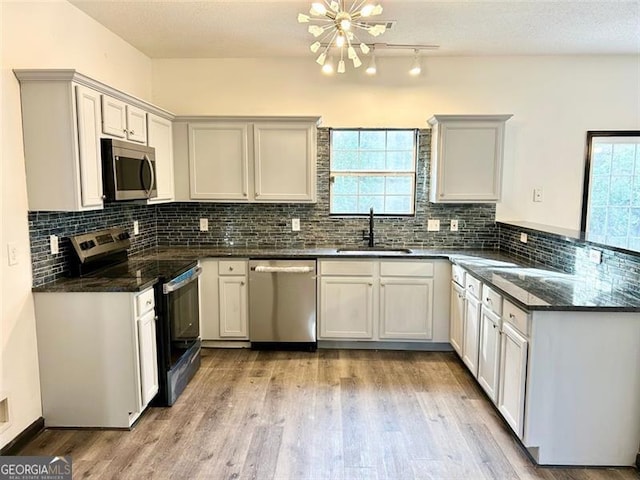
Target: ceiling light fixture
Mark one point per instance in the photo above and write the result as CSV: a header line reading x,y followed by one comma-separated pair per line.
x,y
372,68
334,26
415,66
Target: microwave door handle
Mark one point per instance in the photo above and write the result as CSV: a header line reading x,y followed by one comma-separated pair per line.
x,y
153,176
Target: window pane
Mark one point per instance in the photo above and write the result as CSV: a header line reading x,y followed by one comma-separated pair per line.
x,y
371,185
399,185
398,204
344,204
601,159
400,161
635,195
634,222
344,139
623,159
598,221
372,140
344,160
620,191
400,140
367,201
372,160
600,191
344,184
618,222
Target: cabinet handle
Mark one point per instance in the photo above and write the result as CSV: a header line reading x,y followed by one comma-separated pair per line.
x,y
149,302
488,300
241,283
231,269
124,130
470,287
104,197
370,284
460,296
512,316
132,132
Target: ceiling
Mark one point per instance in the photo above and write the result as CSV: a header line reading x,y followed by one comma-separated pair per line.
x,y
266,28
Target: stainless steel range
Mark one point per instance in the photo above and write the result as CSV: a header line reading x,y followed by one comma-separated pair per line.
x,y
104,254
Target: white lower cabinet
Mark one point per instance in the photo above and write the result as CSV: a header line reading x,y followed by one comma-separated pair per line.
x,y
457,308
513,370
406,308
471,333
97,356
489,353
223,300
346,308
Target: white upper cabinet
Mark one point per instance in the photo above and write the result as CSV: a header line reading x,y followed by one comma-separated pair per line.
x,y
218,161
284,162
235,159
123,121
64,116
466,158
160,136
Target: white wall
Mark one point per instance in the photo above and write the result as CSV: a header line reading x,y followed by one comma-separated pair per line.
x,y
51,34
555,100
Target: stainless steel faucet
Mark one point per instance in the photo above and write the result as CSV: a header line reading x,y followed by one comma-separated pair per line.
x,y
370,237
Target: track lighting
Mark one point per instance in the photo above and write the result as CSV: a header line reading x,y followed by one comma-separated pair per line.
x,y
415,66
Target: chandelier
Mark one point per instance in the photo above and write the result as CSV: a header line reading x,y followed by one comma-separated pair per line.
x,y
334,25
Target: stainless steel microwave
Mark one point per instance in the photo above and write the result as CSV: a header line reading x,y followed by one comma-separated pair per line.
x,y
128,170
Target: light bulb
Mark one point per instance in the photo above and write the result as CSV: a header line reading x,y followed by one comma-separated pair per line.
x,y
364,48
327,68
321,58
341,68
315,46
340,40
366,10
415,66
318,8
345,23
302,18
372,69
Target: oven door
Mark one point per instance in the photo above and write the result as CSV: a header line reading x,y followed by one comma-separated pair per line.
x,y
182,310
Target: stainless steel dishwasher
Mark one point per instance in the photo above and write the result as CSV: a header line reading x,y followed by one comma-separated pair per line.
x,y
282,304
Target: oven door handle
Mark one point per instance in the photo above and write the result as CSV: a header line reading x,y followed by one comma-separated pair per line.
x,y
174,285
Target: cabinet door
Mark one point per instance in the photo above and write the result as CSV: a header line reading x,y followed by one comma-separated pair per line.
x,y
406,308
513,370
346,307
218,161
489,353
88,111
148,357
233,307
136,125
471,330
285,162
209,300
114,117
161,138
456,326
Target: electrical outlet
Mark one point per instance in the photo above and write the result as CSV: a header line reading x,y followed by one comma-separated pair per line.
x,y
204,224
537,194
524,238
53,243
454,225
12,253
136,227
295,224
433,225
595,256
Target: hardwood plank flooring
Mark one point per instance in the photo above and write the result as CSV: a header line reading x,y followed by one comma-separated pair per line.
x,y
332,414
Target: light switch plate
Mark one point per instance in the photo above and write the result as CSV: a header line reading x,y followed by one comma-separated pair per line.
x,y
433,225
524,238
12,253
454,225
204,224
53,244
295,224
595,256
136,227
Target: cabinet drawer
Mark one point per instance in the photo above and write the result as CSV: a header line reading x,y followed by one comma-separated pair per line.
x,y
457,274
491,299
406,269
347,268
232,267
516,317
145,301
472,285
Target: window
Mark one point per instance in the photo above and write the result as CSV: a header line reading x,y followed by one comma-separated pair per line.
x,y
611,207
373,168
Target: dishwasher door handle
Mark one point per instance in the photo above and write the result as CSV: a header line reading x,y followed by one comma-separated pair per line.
x,y
269,269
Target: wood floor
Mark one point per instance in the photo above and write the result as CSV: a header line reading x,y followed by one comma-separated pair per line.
x,y
344,414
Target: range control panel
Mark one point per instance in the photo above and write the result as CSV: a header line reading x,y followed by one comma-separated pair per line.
x,y
94,245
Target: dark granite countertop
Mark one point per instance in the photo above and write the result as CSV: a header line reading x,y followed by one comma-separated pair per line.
x,y
528,285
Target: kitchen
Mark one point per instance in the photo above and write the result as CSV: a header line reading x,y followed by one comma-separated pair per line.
x,y
554,100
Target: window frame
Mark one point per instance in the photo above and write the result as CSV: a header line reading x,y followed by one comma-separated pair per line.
x,y
413,174
586,190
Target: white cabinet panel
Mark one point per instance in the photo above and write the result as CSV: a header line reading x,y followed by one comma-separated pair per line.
x,y
471,332
489,353
114,117
88,111
136,125
467,152
160,137
233,307
148,357
513,369
457,317
218,161
406,308
346,307
284,162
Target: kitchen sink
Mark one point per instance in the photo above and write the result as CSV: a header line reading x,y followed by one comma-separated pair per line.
x,y
375,251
